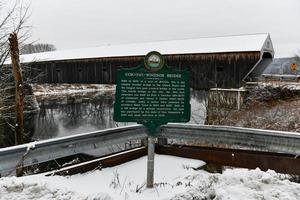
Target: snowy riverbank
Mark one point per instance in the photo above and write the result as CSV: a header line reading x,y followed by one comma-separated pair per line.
x,y
63,89
175,178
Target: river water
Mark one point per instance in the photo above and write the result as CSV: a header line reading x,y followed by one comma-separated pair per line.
x,y
64,115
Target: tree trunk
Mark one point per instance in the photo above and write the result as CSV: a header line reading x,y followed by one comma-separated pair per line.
x,y
19,96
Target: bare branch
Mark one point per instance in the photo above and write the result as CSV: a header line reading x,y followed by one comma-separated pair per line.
x,y
15,20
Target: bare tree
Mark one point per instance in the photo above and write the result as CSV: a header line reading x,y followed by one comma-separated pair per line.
x,y
13,19
37,48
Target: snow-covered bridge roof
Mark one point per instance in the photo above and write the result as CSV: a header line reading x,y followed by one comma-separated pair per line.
x,y
236,43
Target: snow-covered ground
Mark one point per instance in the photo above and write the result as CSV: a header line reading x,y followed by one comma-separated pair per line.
x,y
175,179
281,84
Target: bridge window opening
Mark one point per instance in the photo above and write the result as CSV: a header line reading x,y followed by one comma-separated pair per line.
x,y
59,75
220,68
267,55
80,74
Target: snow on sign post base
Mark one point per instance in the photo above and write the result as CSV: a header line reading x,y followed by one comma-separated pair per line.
x,y
152,94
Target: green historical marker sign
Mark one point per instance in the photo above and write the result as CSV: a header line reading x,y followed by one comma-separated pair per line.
x,y
152,94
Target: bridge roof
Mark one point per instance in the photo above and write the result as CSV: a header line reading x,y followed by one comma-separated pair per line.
x,y
221,44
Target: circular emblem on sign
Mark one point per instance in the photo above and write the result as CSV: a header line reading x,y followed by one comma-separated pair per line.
x,y
154,61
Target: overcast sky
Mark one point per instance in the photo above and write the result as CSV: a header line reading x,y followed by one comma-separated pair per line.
x,y
85,23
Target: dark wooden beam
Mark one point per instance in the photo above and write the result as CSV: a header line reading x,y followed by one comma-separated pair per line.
x,y
107,161
281,163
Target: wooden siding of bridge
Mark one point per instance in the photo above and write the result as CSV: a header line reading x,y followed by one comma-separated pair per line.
x,y
224,70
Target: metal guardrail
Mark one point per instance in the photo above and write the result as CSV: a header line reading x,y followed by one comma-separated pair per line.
x,y
42,151
208,136
234,138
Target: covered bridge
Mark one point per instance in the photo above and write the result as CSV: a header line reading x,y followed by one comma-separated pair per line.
x,y
224,62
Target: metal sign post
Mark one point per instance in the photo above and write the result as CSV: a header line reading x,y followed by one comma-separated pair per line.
x,y
150,162
152,94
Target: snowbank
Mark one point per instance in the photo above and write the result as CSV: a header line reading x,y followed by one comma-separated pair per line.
x,y
175,179
241,184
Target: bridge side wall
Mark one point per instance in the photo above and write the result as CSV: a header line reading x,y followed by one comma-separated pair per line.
x,y
224,70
